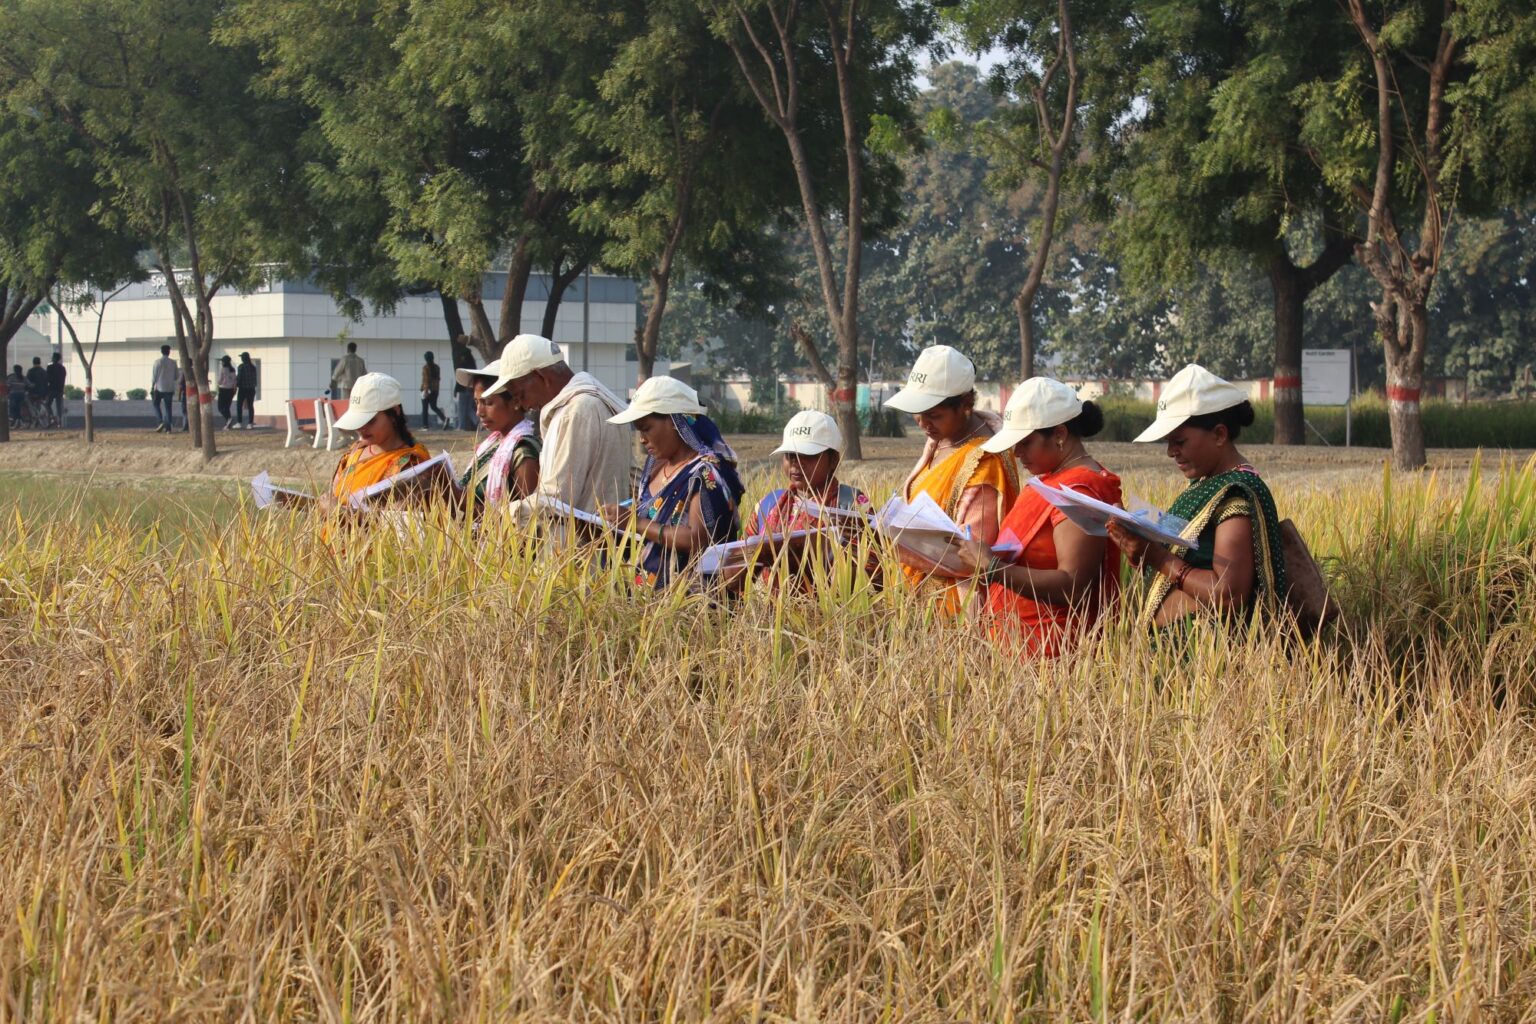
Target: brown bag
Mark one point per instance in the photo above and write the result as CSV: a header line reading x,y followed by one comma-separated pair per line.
x,y
1306,593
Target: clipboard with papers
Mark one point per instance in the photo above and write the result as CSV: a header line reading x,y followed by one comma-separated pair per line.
x,y
738,553
1091,515
408,480
266,494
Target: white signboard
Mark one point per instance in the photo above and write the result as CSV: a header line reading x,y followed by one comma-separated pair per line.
x,y
1325,376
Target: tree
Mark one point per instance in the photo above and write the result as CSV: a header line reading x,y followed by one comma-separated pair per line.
x,y
48,234
782,49
681,169
187,159
1209,161
90,299
1434,140
1484,305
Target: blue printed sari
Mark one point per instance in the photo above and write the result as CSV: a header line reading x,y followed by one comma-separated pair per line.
x,y
711,477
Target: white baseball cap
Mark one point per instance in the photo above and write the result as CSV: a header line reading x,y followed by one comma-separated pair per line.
x,y
810,433
1040,403
939,373
664,396
466,376
1193,391
372,394
521,356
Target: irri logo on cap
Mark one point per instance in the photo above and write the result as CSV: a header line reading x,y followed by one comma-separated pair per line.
x,y
917,378
801,431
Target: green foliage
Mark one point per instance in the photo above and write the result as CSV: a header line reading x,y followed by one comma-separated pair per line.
x,y
105,394
136,394
73,393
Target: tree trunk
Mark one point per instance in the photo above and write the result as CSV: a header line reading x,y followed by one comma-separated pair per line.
x,y
1290,307
1025,310
650,332
559,283
90,405
845,407
452,321
511,319
1405,379
5,391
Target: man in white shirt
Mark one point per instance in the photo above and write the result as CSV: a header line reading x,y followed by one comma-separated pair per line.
x,y
585,460
162,388
347,371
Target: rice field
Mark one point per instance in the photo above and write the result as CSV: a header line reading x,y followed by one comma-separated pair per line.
x,y
247,775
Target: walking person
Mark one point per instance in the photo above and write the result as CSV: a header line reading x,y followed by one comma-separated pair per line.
x,y
226,385
181,400
431,385
57,375
464,396
247,379
162,389
16,393
346,373
37,391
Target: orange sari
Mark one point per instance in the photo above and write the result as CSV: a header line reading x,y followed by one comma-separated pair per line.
x,y
948,482
355,472
1039,626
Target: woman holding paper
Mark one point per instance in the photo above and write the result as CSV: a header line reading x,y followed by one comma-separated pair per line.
x,y
384,445
1237,561
689,493
1057,578
973,486
506,463
812,450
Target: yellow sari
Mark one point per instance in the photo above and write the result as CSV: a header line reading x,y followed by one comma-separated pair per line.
x,y
946,482
356,472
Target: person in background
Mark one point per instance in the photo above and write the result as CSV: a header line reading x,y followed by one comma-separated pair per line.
x,y
16,393
247,380
1062,579
225,381
689,495
463,397
384,444
974,487
181,399
506,463
37,384
431,386
812,451
57,376
1238,560
586,459
348,370
162,389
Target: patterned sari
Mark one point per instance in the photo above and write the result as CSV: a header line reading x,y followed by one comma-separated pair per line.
x,y
489,480
946,482
1207,504
1040,627
711,477
356,472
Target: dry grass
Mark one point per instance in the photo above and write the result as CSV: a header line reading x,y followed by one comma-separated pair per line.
x,y
243,777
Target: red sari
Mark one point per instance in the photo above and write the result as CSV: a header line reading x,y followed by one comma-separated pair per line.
x,y
1040,627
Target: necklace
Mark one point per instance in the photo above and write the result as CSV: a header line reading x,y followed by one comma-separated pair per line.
x,y
659,482
960,440
1071,461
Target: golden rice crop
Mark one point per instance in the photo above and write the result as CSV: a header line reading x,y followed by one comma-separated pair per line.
x,y
248,776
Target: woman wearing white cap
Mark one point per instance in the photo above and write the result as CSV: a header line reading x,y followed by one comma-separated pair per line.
x,y
506,463
974,486
1238,558
384,443
1062,578
812,451
689,492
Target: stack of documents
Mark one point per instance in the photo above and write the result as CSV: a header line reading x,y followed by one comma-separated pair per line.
x,y
264,492
441,463
1092,515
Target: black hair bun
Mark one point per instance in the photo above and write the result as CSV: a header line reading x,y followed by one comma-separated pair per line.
x,y
1088,422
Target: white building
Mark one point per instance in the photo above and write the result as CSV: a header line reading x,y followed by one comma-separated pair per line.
x,y
296,333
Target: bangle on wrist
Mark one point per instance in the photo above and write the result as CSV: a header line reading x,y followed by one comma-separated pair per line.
x,y
1178,577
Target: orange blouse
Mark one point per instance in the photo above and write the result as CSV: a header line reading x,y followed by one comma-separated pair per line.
x,y
1041,627
951,482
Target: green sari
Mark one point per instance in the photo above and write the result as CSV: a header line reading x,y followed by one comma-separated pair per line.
x,y
1212,501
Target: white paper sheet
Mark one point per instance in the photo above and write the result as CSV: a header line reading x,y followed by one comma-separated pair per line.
x,y
1091,515
720,556
442,460
264,492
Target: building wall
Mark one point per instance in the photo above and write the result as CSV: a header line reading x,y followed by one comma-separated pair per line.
x,y
296,333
